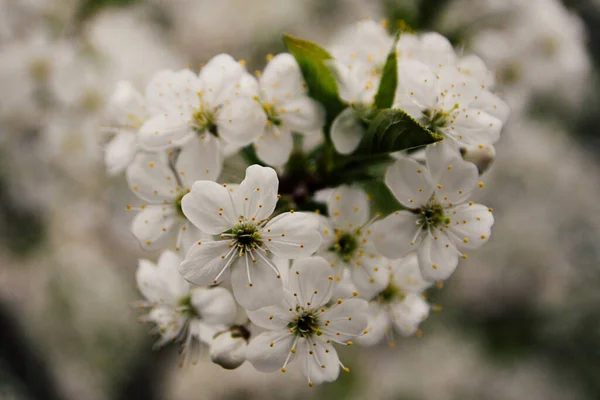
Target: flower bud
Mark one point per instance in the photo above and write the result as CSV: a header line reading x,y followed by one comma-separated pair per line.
x,y
228,348
482,156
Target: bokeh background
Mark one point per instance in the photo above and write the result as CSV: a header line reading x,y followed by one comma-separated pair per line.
x,y
520,319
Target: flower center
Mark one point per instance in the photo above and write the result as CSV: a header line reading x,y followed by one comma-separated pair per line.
x,y
346,245
246,236
435,119
272,114
305,325
204,118
389,294
432,216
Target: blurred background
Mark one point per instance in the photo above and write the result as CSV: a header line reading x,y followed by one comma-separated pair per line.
x,y
520,319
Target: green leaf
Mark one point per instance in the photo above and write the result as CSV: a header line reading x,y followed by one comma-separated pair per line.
x,y
394,130
320,81
389,80
382,199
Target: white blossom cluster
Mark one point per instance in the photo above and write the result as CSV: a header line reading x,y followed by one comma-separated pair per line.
x,y
243,272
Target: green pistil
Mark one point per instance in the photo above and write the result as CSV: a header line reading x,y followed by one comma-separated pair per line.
x,y
272,114
432,216
346,245
389,294
305,325
178,205
435,120
246,236
187,309
204,121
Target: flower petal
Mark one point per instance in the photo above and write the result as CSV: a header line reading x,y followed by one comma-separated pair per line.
x,y
200,159
348,207
437,257
268,351
318,360
209,206
292,235
168,265
154,224
409,313
151,179
168,90
169,323
347,319
275,145
393,235
206,260
302,114
219,78
165,130
241,121
471,225
347,131
215,305
255,284
418,81
371,276
271,317
282,79
120,152
256,197
475,127
410,182
407,274
150,281
311,281
379,323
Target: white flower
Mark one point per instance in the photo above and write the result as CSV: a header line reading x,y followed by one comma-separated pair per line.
x,y
303,327
357,84
126,114
430,48
347,241
449,102
228,348
365,42
247,236
400,305
440,224
217,103
179,311
284,98
151,178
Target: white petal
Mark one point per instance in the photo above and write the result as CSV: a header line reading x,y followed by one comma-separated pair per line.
x,y
302,114
474,127
454,178
327,232
241,121
267,358
165,130
126,106
379,323
255,284
409,313
151,283
437,257
282,79
168,265
472,222
292,235
418,81
348,207
492,105
435,49
168,90
349,319
312,282
347,131
371,276
256,196
275,145
393,235
318,360
215,305
200,159
205,261
228,349
475,69
219,78
457,87
151,179
154,225
407,274
204,332
120,151
271,317
410,182
209,206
